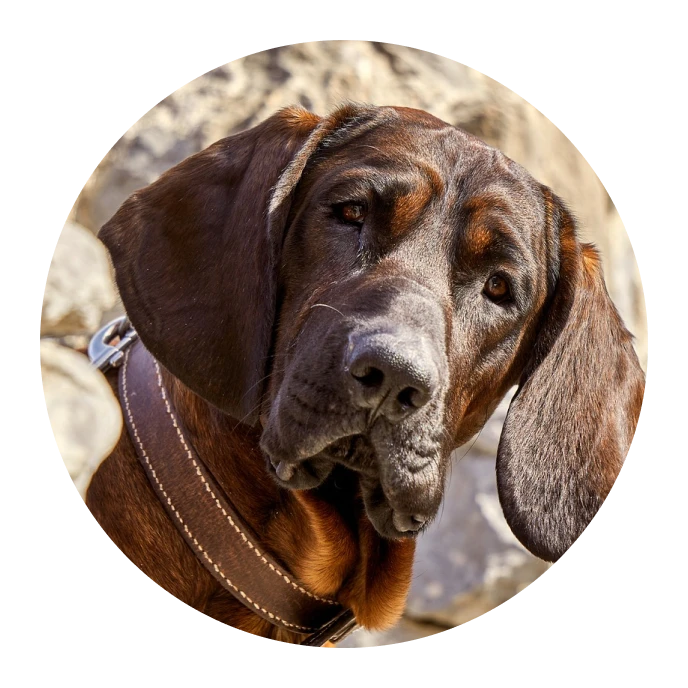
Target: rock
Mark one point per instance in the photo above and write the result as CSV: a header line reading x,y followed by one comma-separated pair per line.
x,y
84,414
79,287
321,75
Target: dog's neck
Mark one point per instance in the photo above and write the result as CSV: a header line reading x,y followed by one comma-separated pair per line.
x,y
323,536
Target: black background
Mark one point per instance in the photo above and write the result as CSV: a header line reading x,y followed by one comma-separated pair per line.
x,y
595,594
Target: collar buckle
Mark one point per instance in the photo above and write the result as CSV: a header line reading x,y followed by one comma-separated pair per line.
x,y
334,631
102,352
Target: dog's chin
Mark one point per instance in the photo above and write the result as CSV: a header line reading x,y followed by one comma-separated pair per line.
x,y
389,522
384,520
356,455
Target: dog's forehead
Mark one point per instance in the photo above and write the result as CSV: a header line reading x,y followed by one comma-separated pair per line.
x,y
421,148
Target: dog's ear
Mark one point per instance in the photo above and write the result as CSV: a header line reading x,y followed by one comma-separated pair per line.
x,y
570,425
196,252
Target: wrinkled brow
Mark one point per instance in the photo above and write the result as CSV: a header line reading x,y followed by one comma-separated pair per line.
x,y
385,182
489,228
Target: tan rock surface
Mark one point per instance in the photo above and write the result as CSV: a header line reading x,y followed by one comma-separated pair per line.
x,y
84,414
79,287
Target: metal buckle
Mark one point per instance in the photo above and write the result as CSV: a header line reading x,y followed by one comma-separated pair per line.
x,y
345,632
334,631
105,355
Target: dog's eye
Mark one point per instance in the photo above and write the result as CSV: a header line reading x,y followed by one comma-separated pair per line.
x,y
351,213
497,289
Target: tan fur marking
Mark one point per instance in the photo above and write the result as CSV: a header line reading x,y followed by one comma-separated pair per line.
x,y
479,238
377,590
408,207
331,550
591,259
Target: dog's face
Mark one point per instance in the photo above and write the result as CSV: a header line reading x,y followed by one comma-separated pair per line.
x,y
411,283
371,284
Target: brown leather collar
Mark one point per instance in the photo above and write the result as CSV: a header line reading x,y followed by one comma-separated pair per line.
x,y
205,517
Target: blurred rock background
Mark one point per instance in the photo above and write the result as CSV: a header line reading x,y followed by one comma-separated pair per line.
x,y
84,414
468,562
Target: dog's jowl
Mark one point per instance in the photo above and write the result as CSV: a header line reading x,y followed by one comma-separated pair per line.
x,y
334,304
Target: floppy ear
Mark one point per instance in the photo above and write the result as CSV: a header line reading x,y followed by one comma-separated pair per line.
x,y
195,257
572,420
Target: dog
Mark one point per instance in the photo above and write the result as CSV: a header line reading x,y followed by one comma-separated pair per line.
x,y
336,304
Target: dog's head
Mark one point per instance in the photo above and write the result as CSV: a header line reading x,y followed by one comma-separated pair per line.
x,y
369,285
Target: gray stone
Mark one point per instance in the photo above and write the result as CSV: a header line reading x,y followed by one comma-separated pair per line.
x,y
84,414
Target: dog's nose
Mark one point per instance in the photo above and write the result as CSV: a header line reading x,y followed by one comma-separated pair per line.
x,y
393,373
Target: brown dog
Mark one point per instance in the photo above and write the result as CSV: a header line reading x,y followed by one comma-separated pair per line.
x,y
368,286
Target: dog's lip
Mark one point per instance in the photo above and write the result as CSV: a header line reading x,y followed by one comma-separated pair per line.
x,y
407,523
390,522
348,444
283,470
395,525
339,450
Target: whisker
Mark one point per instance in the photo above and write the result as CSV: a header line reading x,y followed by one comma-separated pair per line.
x,y
241,421
375,148
262,379
474,440
324,305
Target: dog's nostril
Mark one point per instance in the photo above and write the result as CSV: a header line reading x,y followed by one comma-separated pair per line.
x,y
370,377
410,398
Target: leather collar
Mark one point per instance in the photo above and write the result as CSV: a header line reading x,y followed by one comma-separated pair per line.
x,y
204,515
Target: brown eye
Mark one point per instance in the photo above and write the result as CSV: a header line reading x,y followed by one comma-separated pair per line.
x,y
497,289
353,213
